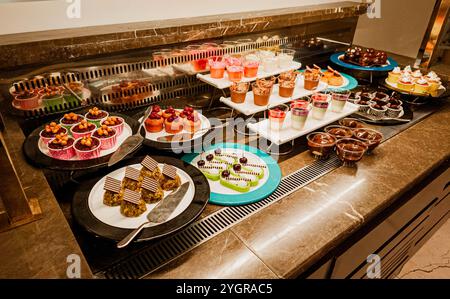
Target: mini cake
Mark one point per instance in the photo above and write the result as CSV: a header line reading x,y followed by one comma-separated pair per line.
x,y
434,81
169,180
50,131
151,190
192,123
96,116
132,204
169,112
394,75
70,119
83,129
87,148
112,196
416,75
422,86
61,147
378,108
405,83
114,122
394,107
150,168
332,77
132,179
157,110
154,123
173,124
107,137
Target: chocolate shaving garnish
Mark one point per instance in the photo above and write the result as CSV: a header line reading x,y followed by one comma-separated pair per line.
x,y
210,167
132,196
149,163
238,179
255,165
132,173
170,171
248,172
220,162
112,185
150,184
227,155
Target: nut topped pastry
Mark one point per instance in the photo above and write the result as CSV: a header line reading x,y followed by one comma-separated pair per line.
x,y
104,132
50,131
61,141
132,204
131,180
169,180
61,147
113,195
151,190
150,168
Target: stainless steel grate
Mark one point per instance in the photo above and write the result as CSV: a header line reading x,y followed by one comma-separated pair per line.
x,y
161,253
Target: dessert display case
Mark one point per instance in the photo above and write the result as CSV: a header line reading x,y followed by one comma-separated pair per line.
x,y
68,119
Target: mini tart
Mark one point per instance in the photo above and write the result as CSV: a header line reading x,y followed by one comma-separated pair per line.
x,y
154,123
405,85
169,183
173,125
422,87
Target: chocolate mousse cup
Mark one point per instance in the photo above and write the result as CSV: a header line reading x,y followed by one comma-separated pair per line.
x,y
350,151
371,138
339,131
97,119
321,144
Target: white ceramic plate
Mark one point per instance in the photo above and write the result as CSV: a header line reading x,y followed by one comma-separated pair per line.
x,y
216,187
206,125
113,217
127,132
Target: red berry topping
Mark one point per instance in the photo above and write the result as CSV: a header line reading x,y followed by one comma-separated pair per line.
x,y
225,173
243,160
154,115
201,162
156,108
237,167
209,157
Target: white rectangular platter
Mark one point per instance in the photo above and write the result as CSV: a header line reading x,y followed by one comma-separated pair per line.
x,y
249,107
287,133
225,82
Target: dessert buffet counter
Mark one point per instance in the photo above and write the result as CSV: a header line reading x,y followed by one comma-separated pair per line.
x,y
282,240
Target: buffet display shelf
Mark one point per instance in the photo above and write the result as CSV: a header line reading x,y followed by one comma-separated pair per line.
x,y
249,107
287,133
226,83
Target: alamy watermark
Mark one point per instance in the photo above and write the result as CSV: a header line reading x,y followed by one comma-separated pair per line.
x,y
73,10
374,266
374,10
73,266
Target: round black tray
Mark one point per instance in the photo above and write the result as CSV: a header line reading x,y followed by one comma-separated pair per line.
x,y
37,158
84,217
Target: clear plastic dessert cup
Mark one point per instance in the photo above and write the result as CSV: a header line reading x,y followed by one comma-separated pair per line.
x,y
216,68
320,103
285,58
277,116
350,150
261,95
339,131
321,144
338,100
371,138
251,68
311,81
235,73
299,115
238,91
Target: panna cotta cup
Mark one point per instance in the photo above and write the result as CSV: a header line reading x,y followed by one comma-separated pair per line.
x,y
350,150
299,115
321,144
277,116
320,103
338,100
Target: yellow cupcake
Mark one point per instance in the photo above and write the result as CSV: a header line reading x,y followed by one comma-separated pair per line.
x,y
394,75
405,83
422,86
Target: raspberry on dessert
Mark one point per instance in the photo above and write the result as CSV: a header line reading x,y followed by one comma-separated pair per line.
x,y
201,163
225,174
237,167
243,160
209,157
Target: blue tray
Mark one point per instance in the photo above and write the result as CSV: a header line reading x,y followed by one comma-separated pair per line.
x,y
389,67
250,197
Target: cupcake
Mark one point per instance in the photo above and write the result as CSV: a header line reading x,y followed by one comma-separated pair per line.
x,y
157,110
70,119
394,108
50,131
363,104
61,147
87,147
107,137
405,83
434,81
154,123
116,123
394,75
169,112
192,123
27,100
173,124
422,86
83,129
377,109
353,97
416,75
96,116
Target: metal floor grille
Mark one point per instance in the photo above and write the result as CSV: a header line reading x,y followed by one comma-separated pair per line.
x,y
161,253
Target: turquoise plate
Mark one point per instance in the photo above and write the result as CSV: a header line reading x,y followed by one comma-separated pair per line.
x,y
262,192
386,68
352,82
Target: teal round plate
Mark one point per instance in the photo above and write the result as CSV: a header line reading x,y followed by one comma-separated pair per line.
x,y
273,180
352,83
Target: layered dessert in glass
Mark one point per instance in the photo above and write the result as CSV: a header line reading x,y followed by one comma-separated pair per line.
x,y
216,67
311,79
338,100
277,115
299,115
251,68
320,102
321,144
235,73
238,91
